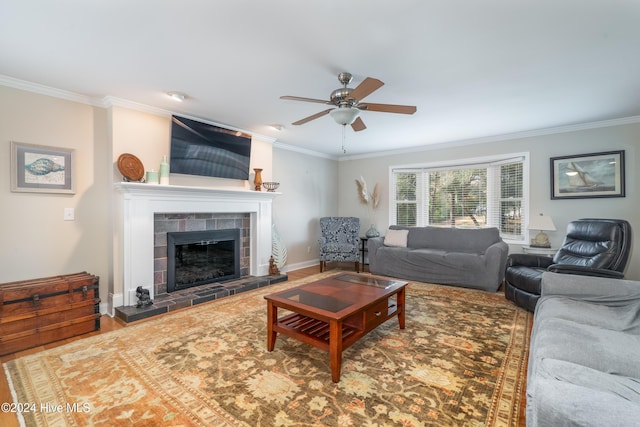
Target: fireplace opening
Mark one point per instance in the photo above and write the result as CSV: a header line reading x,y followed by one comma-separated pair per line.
x,y
200,257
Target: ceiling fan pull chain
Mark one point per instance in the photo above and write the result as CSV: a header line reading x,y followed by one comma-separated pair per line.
x,y
344,149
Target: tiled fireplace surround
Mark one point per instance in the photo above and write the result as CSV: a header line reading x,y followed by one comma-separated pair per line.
x,y
165,223
148,209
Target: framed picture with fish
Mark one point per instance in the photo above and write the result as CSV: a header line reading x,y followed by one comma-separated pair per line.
x,y
588,175
42,169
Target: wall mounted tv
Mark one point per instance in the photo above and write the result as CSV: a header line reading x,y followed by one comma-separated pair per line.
x,y
202,149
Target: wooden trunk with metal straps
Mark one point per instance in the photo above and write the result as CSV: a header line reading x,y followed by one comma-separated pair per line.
x,y
41,311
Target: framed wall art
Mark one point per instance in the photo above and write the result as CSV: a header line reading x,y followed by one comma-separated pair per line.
x,y
42,169
588,175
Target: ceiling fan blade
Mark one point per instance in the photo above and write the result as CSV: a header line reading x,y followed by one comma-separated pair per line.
x,y
389,108
358,125
299,98
313,117
367,87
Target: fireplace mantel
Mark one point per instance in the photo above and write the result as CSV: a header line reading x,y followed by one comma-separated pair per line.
x,y
136,206
185,191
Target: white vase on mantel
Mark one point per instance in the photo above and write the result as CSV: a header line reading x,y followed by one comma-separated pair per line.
x,y
164,171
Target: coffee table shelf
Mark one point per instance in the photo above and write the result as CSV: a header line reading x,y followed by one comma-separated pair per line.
x,y
317,332
312,331
333,313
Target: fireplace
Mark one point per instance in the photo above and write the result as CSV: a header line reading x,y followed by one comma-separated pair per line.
x,y
175,224
140,259
200,257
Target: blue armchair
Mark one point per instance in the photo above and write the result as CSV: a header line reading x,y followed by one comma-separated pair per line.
x,y
340,240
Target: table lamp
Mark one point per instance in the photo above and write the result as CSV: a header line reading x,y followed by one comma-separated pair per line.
x,y
541,223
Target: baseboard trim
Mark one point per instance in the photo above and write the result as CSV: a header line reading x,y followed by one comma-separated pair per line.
x,y
300,265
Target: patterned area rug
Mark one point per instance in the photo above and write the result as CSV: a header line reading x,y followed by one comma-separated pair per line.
x,y
460,361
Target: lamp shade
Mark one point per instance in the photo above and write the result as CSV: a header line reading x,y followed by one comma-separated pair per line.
x,y
541,222
345,115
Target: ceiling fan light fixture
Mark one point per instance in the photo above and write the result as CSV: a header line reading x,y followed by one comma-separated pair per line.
x,y
345,115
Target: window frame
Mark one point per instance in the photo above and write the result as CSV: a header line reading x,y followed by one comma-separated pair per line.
x,y
465,163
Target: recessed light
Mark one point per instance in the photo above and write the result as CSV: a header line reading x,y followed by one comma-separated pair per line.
x,y
177,96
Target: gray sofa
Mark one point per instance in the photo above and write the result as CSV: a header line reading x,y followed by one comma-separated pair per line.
x,y
473,258
584,365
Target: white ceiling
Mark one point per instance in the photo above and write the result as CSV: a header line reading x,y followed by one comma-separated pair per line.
x,y
473,68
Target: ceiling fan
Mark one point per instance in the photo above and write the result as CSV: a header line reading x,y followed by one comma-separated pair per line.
x,y
348,103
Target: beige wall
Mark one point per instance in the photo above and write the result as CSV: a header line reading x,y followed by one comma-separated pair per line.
x,y
308,185
39,243
36,240
147,136
541,148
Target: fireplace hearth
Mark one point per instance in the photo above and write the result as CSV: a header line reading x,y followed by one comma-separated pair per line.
x,y
200,257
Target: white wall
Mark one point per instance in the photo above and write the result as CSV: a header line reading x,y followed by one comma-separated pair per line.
x,y
541,148
308,185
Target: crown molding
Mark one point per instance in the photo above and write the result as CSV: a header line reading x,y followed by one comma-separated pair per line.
x,y
113,101
109,102
301,150
498,138
48,91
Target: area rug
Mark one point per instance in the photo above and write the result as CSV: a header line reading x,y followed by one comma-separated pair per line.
x,y
460,361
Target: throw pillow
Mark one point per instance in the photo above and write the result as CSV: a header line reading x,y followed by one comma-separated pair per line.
x,y
396,238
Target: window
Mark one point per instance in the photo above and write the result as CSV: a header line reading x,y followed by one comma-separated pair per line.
x,y
473,193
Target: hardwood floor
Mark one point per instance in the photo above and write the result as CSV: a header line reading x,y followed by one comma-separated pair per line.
x,y
107,324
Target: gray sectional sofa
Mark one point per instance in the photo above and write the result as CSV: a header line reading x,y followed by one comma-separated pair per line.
x,y
473,258
584,364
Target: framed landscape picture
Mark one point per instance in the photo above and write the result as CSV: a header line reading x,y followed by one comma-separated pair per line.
x,y
42,169
588,175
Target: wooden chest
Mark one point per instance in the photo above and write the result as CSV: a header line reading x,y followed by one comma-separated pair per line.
x,y
40,311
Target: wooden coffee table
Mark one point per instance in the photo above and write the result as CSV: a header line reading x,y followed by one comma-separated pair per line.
x,y
333,313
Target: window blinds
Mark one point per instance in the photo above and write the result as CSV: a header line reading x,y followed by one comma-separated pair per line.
x,y
468,194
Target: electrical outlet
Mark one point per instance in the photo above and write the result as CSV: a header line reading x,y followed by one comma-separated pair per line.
x,y
69,214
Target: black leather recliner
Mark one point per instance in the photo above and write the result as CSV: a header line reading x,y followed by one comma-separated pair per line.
x,y
592,247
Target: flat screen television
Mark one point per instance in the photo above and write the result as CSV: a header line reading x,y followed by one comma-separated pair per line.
x,y
202,149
